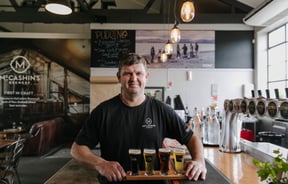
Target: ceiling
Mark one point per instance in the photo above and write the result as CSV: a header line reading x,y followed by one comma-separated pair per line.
x,y
126,11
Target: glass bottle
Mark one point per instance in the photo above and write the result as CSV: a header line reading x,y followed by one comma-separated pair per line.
x,y
197,124
215,129
206,126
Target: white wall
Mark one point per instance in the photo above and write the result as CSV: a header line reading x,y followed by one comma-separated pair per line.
x,y
197,92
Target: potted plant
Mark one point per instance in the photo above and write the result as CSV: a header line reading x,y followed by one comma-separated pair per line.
x,y
274,172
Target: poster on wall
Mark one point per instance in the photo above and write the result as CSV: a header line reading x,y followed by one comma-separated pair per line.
x,y
32,76
196,49
107,46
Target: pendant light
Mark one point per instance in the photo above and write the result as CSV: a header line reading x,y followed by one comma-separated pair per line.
x,y
175,34
168,48
187,11
163,57
59,7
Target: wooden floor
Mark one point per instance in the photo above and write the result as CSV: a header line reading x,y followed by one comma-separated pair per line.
x,y
238,167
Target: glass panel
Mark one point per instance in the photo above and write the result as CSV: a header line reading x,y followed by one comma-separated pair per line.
x,y
276,63
78,97
287,32
276,37
277,85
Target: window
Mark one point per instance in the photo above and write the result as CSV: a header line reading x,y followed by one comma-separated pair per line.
x,y
277,60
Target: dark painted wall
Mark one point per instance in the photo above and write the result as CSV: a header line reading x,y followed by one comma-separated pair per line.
x,y
234,49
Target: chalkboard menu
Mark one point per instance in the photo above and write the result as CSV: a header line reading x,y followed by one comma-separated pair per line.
x,y
107,46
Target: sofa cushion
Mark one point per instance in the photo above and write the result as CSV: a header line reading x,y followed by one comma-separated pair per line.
x,y
43,136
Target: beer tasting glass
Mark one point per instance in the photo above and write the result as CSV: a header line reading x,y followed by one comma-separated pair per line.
x,y
149,158
164,158
135,155
178,156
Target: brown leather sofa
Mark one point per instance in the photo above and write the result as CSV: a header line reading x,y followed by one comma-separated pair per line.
x,y
43,136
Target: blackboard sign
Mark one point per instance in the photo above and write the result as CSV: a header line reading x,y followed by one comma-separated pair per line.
x,y
107,46
234,49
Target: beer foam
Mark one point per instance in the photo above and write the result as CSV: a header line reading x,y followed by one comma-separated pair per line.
x,y
178,150
165,150
134,151
151,151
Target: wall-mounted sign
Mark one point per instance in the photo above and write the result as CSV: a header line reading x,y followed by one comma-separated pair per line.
x,y
16,92
107,46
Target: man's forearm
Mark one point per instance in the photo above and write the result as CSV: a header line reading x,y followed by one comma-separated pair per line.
x,y
85,156
196,149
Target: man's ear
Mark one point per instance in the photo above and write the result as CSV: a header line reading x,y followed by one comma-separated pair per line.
x,y
118,76
147,75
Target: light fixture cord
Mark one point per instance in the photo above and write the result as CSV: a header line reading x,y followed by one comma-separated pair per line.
x,y
175,15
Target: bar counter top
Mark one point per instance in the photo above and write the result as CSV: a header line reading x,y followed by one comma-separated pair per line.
x,y
237,167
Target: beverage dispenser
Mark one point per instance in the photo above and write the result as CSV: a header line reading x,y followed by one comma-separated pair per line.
x,y
272,108
232,123
247,132
261,107
252,107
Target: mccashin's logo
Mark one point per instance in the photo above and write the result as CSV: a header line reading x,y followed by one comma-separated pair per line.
x,y
148,123
20,64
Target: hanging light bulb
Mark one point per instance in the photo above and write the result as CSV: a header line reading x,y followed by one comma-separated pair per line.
x,y
168,48
163,57
187,11
175,34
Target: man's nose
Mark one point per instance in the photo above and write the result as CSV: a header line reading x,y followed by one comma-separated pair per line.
x,y
133,76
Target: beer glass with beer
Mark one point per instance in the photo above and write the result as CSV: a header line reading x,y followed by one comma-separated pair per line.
x,y
164,158
135,155
149,158
178,156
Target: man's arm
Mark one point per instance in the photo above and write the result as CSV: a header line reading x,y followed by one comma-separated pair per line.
x,y
196,169
113,171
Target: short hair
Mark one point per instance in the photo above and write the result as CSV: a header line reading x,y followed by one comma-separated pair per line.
x,y
131,59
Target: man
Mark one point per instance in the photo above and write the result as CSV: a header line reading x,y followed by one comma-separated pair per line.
x,y
133,120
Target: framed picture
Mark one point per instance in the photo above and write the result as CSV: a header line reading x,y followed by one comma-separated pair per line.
x,y
156,92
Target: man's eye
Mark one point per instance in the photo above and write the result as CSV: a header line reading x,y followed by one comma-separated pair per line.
x,y
126,73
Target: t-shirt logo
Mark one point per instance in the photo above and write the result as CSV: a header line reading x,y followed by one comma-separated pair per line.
x,y
148,123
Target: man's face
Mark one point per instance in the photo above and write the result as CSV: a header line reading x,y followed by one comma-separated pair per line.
x,y
133,79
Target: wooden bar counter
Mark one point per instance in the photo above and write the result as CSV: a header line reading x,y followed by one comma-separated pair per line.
x,y
237,167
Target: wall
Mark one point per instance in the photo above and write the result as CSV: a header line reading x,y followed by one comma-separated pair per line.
x,y
197,92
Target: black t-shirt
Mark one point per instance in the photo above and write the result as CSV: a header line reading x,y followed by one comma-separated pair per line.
x,y
118,127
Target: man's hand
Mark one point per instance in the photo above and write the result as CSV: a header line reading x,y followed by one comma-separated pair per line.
x,y
112,171
195,170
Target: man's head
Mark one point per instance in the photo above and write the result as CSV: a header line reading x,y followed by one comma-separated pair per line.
x,y
131,59
132,74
